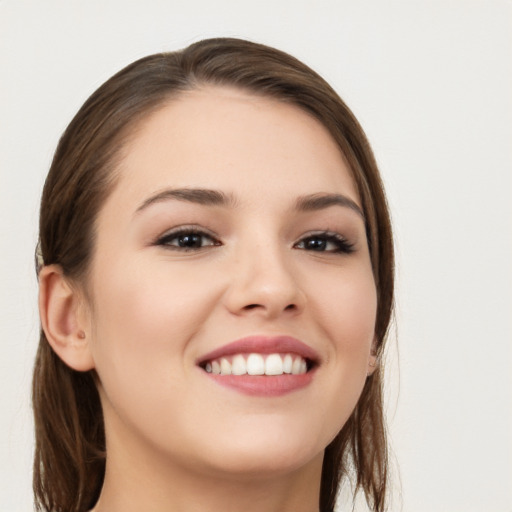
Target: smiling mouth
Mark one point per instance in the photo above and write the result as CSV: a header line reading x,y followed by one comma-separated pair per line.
x,y
262,366
273,364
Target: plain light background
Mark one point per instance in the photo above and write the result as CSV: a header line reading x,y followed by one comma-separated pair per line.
x,y
431,83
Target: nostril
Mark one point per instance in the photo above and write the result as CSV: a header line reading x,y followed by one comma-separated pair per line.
x,y
251,306
254,306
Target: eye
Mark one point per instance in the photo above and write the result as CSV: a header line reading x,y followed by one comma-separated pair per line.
x,y
326,241
187,239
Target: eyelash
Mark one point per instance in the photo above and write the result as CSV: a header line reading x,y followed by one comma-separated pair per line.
x,y
183,232
342,245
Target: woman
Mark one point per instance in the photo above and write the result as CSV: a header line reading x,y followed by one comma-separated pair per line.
x,y
216,283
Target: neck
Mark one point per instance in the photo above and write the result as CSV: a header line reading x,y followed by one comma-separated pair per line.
x,y
207,495
137,480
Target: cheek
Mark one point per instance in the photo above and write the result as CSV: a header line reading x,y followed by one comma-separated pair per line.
x,y
143,323
346,312
346,307
150,304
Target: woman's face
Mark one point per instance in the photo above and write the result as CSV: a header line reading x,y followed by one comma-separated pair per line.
x,y
233,242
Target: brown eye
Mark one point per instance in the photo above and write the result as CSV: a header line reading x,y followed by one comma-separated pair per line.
x,y
187,240
325,242
192,241
315,244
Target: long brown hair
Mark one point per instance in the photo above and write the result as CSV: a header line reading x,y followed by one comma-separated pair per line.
x,y
69,462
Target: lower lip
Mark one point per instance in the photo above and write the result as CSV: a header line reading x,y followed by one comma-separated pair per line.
x,y
263,385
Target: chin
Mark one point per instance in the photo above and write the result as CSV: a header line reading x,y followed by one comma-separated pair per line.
x,y
246,467
266,453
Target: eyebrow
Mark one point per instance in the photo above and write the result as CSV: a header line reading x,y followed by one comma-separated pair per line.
x,y
320,201
209,197
202,196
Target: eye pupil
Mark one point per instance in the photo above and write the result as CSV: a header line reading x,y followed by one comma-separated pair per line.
x,y
316,244
190,240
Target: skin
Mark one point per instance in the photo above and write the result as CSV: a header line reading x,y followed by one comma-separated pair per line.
x,y
152,310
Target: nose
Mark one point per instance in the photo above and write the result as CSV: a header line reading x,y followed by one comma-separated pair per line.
x,y
263,282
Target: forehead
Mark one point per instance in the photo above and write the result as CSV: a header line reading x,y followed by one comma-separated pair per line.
x,y
248,145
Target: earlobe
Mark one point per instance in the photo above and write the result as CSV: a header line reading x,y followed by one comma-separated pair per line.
x,y
373,359
372,365
62,319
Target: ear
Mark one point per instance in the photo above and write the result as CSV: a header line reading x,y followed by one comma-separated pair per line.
x,y
63,318
373,359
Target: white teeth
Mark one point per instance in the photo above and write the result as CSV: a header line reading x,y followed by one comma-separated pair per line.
x,y
258,364
255,364
215,367
239,366
274,365
296,366
287,363
225,367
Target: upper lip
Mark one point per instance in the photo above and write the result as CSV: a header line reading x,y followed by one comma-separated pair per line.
x,y
263,345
